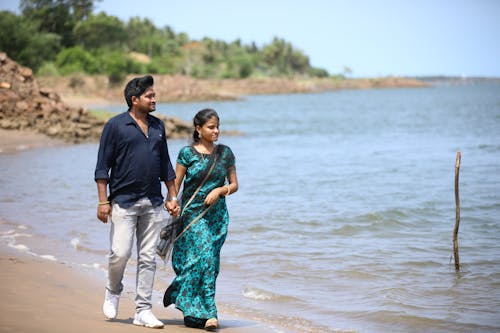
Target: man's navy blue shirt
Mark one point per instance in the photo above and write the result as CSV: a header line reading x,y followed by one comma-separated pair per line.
x,y
134,165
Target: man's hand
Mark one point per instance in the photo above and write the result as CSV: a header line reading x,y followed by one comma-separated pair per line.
x,y
103,212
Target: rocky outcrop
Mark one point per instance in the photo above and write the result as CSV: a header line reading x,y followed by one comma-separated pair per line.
x,y
24,105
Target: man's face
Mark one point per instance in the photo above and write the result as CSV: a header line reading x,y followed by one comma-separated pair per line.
x,y
147,101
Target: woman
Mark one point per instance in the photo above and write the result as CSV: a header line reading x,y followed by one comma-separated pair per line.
x,y
204,219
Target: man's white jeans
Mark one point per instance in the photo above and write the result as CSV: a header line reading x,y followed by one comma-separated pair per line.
x,y
144,220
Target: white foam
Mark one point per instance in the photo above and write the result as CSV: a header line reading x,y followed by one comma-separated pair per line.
x,y
94,265
76,243
12,233
48,257
20,247
257,294
20,235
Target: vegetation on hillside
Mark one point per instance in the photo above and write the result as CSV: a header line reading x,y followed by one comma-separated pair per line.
x,y
64,37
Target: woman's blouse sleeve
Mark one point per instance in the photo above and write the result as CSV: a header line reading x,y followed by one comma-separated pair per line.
x,y
184,156
229,157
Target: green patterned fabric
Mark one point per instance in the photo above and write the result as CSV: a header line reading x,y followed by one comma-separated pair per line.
x,y
196,254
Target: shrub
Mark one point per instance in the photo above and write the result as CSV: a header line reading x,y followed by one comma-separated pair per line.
x,y
76,59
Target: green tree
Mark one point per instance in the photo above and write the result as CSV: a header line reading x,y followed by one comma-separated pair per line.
x,y
21,40
282,59
57,16
144,37
99,31
104,44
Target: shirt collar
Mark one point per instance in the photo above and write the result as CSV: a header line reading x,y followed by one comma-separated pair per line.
x,y
131,121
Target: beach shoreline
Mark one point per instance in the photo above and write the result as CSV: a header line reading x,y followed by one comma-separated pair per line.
x,y
43,294
12,141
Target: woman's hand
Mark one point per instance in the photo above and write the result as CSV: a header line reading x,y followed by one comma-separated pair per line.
x,y
214,195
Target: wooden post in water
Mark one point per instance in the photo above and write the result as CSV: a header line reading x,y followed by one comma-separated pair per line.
x,y
457,213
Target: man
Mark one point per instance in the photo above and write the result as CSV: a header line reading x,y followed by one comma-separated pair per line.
x,y
133,159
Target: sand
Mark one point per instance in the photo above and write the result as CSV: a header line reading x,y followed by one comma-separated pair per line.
x,y
41,295
13,141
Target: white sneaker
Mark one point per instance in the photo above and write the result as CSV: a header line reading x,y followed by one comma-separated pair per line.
x,y
147,318
110,306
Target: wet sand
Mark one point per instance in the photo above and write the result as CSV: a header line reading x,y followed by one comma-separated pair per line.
x,y
42,295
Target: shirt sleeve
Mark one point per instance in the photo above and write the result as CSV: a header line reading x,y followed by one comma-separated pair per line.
x,y
167,171
106,152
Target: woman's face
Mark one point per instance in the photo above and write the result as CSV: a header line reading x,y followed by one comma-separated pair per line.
x,y
210,130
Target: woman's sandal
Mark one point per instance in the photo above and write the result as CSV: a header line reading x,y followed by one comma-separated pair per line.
x,y
211,324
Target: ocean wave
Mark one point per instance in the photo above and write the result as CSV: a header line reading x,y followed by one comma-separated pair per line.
x,y
13,234
95,265
11,237
48,257
20,247
280,323
489,148
352,275
76,243
264,295
402,321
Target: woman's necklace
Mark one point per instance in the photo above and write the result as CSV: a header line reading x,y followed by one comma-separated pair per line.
x,y
205,150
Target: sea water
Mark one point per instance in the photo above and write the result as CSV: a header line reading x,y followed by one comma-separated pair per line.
x,y
345,214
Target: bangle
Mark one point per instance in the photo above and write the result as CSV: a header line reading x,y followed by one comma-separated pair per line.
x,y
228,190
102,203
172,199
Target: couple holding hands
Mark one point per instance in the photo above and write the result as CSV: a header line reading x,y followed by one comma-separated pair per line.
x,y
132,162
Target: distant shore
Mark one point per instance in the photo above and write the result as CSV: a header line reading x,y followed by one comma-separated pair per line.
x,y
94,91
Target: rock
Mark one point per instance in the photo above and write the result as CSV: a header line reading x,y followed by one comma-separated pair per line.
x,y
26,72
53,131
25,106
50,94
22,106
8,124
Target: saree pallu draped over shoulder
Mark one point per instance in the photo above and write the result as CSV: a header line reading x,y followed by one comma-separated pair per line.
x,y
196,252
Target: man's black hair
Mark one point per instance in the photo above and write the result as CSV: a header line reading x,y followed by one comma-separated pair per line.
x,y
136,87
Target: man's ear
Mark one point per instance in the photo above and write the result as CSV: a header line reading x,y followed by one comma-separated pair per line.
x,y
135,100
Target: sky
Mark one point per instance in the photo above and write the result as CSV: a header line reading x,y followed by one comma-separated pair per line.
x,y
372,38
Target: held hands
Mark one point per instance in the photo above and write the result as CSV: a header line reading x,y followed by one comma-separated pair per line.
x,y
172,207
